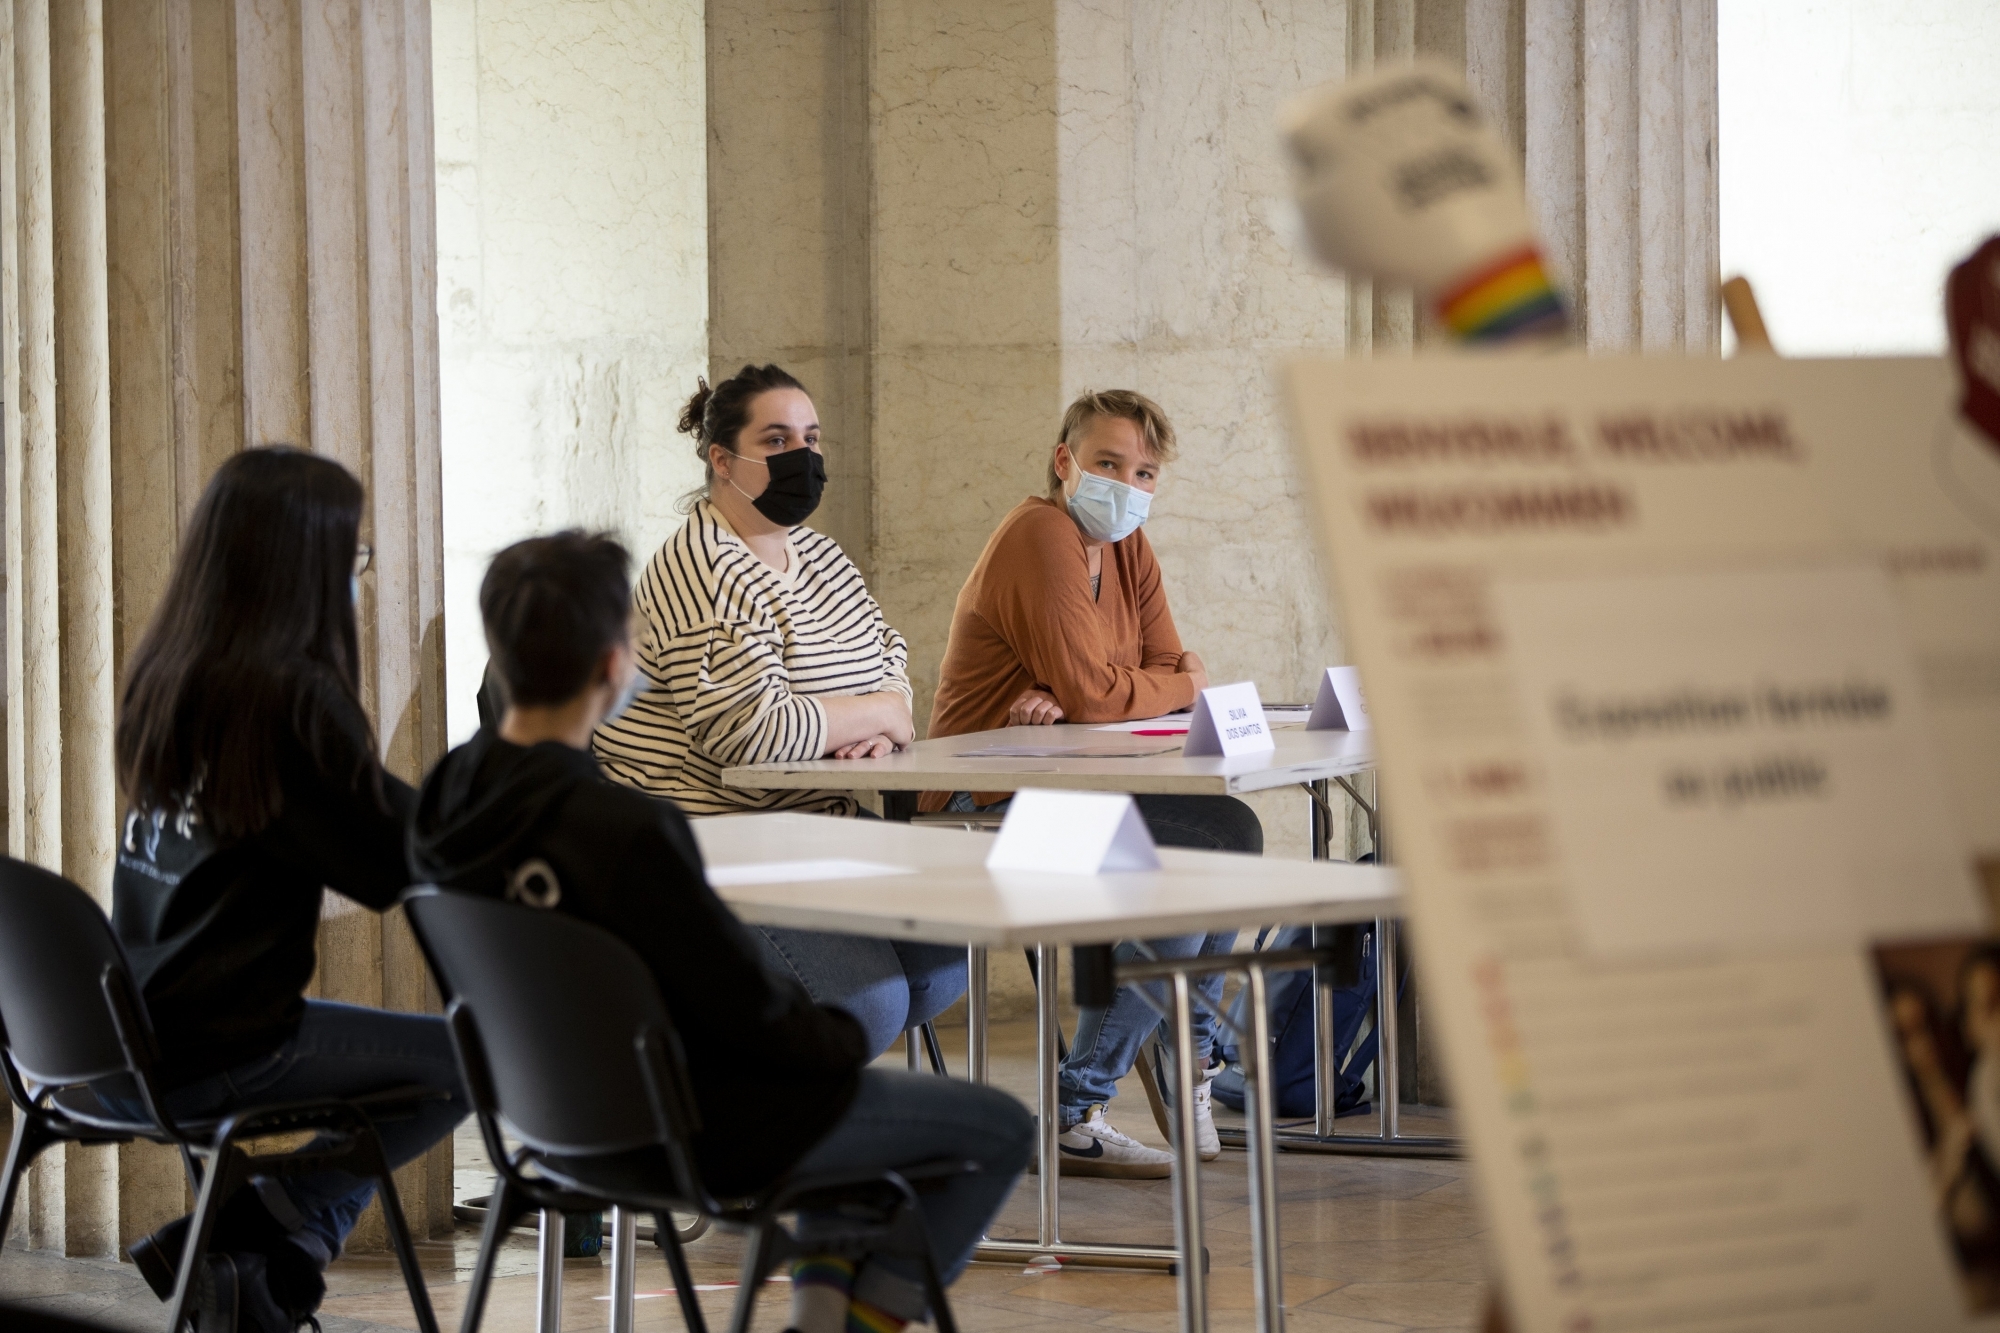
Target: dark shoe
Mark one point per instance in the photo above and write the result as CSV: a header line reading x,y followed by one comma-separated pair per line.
x,y
244,1227
258,1308
215,1297
158,1256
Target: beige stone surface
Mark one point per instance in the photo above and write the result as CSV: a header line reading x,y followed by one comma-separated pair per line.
x,y
789,224
573,278
215,226
1621,140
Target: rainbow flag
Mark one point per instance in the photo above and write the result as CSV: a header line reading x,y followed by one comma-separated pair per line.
x,y
1503,300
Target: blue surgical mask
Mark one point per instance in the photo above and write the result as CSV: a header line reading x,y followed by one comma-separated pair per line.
x,y
626,696
1107,510
354,590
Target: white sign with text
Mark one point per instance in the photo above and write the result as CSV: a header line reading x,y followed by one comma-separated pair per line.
x,y
1072,833
1339,705
1664,767
1736,759
1228,720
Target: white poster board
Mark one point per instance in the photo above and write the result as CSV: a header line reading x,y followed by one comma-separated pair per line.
x,y
1686,675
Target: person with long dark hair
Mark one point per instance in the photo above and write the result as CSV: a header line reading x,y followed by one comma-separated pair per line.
x,y
252,784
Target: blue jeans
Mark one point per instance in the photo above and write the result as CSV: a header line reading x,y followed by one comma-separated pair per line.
x,y
900,1119
1108,1040
340,1050
888,985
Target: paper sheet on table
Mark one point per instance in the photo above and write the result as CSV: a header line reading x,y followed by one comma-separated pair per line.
x,y
1713,1132
1275,715
1066,752
796,872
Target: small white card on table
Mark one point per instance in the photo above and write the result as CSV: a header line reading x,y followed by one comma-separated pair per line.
x,y
1072,833
1228,720
1339,706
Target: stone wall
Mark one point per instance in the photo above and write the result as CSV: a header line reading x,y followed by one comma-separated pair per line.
x,y
573,279
215,231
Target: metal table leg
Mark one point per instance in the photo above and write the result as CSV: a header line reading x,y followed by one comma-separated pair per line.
x,y
1266,1254
975,1013
1187,1174
1388,1056
1048,1097
624,1266
549,1274
1048,1065
1388,1139
1267,1259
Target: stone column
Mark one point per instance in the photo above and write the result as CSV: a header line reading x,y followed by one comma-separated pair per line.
x,y
793,283
1383,32
1620,111
218,231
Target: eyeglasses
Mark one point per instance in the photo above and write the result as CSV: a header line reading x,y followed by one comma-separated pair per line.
x,y
363,554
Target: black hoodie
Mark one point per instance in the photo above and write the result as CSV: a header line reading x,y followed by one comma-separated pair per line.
x,y
772,1071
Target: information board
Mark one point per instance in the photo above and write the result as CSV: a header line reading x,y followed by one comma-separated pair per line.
x,y
1686,680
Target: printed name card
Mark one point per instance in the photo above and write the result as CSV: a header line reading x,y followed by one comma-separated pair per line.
x,y
1228,720
1339,705
1072,833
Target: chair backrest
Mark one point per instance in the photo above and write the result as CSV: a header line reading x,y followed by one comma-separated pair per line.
x,y
55,946
565,1015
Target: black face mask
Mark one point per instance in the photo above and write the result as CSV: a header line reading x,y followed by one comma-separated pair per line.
x,y
797,478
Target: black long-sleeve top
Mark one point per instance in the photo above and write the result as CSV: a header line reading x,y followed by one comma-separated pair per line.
x,y
222,934
771,1070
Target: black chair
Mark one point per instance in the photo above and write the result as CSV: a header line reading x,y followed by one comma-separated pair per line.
x,y
72,1024
562,1036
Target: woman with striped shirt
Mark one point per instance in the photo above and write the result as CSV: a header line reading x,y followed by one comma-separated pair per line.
x,y
758,642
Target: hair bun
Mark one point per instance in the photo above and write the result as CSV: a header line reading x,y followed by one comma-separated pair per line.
x,y
697,406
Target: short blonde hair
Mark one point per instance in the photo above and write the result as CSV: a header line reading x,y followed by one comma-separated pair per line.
x,y
1154,428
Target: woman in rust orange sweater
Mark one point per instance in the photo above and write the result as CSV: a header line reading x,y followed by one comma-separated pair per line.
x,y
1065,618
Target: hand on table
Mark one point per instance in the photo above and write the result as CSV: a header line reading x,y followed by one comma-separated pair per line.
x,y
1191,666
1035,708
874,747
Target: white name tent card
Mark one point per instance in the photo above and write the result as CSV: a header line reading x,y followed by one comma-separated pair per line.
x,y
1072,833
1687,682
1339,705
1228,720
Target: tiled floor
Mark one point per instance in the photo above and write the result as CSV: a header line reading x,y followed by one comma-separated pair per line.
x,y
1372,1245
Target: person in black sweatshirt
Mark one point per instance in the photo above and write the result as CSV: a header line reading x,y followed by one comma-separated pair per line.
x,y
253,784
522,812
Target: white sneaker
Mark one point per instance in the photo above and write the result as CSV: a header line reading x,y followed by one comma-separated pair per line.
x,y
1154,1073
1095,1147
1206,1141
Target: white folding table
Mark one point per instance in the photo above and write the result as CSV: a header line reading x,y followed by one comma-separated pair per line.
x,y
941,892
1153,765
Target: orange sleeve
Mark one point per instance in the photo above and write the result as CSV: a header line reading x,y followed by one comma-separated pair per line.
x,y
1038,600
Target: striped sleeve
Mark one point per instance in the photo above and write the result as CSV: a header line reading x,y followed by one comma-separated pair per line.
x,y
737,657
728,681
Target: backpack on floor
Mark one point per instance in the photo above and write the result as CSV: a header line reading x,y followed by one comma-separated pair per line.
x,y
1290,999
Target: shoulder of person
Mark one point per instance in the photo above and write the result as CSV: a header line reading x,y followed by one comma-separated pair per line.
x,y
1037,516
1035,534
701,574
326,719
